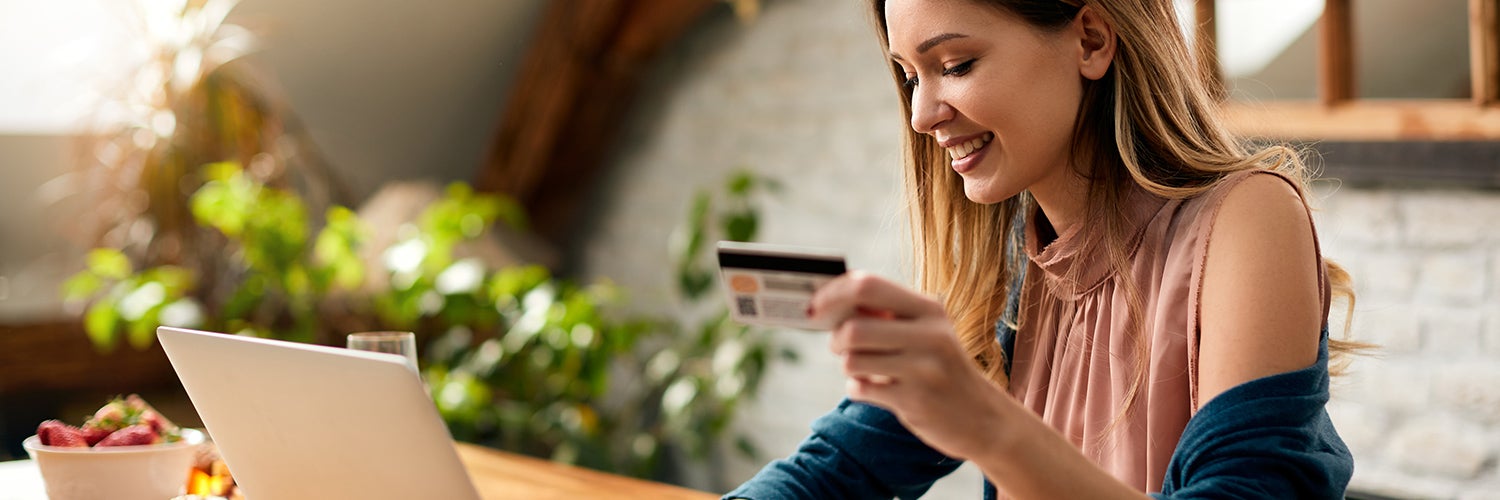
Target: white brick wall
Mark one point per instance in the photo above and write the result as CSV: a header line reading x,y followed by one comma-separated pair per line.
x,y
1492,330
1438,446
1423,414
803,95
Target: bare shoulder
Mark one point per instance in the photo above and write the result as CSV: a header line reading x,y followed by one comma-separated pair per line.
x,y
1260,207
1260,308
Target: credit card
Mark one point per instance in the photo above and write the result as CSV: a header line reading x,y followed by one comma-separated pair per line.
x,y
772,285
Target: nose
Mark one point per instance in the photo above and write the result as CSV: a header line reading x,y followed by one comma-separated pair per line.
x,y
928,110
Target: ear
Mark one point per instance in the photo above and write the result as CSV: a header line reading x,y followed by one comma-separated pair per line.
x,y
1096,43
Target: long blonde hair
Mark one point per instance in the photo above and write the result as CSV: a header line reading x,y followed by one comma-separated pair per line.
x,y
1151,121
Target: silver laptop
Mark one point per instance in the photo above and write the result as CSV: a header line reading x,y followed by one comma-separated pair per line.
x,y
297,421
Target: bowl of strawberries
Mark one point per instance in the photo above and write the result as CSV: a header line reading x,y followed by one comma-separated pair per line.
x,y
126,451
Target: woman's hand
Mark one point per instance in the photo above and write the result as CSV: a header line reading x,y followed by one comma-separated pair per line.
x,y
900,353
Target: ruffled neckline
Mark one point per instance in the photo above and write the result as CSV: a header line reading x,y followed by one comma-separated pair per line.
x,y
1075,263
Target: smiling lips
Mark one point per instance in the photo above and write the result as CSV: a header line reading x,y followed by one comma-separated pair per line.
x,y
961,151
965,149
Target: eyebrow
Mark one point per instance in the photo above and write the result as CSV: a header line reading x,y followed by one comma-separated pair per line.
x,y
933,42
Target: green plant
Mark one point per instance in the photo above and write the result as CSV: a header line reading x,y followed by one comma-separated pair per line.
x,y
715,362
122,301
515,357
273,284
535,389
186,98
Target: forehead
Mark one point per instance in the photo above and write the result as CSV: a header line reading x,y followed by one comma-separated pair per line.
x,y
910,22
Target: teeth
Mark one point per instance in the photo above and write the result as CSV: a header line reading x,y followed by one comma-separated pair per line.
x,y
962,151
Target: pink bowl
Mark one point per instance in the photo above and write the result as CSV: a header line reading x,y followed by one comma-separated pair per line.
x,y
152,472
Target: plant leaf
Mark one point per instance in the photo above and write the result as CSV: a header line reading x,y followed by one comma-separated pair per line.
x,y
109,263
696,228
746,447
741,182
99,323
142,333
81,286
740,226
694,283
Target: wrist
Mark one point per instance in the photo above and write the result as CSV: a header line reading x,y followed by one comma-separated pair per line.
x,y
1011,428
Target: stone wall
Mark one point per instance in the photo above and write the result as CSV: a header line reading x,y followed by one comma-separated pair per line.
x,y
802,94
1423,413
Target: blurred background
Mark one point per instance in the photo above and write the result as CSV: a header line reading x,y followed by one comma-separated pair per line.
x,y
533,187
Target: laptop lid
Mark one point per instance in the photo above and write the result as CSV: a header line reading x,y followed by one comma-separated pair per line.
x,y
297,421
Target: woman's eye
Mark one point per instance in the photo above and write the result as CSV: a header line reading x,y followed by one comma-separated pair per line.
x,y
958,69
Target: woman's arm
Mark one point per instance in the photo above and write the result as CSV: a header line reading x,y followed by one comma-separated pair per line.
x,y
900,354
855,451
1261,307
1261,315
1263,430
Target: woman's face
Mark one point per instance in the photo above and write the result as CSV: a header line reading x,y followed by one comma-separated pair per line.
x,y
999,95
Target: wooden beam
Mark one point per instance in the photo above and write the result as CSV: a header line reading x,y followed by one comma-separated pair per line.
x,y
1336,53
1382,120
570,36
1484,52
577,83
1206,36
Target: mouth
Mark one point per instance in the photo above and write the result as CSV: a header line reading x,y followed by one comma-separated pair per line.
x,y
964,149
967,153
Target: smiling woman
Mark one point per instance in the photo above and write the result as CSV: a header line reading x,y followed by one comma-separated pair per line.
x,y
1074,333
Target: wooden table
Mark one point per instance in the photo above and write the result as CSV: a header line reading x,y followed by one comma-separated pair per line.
x,y
497,474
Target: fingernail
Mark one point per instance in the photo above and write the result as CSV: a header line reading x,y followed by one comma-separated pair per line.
x,y
809,310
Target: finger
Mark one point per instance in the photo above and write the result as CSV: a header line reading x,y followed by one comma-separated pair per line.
x,y
844,296
880,393
877,368
870,334
874,313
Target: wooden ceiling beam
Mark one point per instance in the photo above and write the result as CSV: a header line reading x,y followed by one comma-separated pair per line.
x,y
1206,46
1336,53
573,91
1484,51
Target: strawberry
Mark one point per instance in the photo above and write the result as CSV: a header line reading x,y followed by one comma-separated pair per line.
x,y
134,435
110,417
94,434
149,416
56,433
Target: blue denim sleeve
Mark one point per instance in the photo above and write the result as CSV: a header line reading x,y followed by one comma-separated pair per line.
x,y
855,451
1267,438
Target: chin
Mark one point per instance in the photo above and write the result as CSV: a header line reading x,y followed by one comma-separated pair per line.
x,y
986,193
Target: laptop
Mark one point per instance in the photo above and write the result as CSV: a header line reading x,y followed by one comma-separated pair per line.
x,y
295,421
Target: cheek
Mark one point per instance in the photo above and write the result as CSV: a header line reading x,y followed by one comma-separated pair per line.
x,y
1044,118
1050,103
1036,107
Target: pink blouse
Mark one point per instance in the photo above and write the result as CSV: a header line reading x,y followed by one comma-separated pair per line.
x,y
1072,361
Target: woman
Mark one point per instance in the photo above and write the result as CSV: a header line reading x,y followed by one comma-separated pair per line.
x,y
1078,336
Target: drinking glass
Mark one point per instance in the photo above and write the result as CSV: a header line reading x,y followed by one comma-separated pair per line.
x,y
403,343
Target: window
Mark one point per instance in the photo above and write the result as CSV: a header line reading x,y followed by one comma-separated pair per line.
x,y
56,53
1355,70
